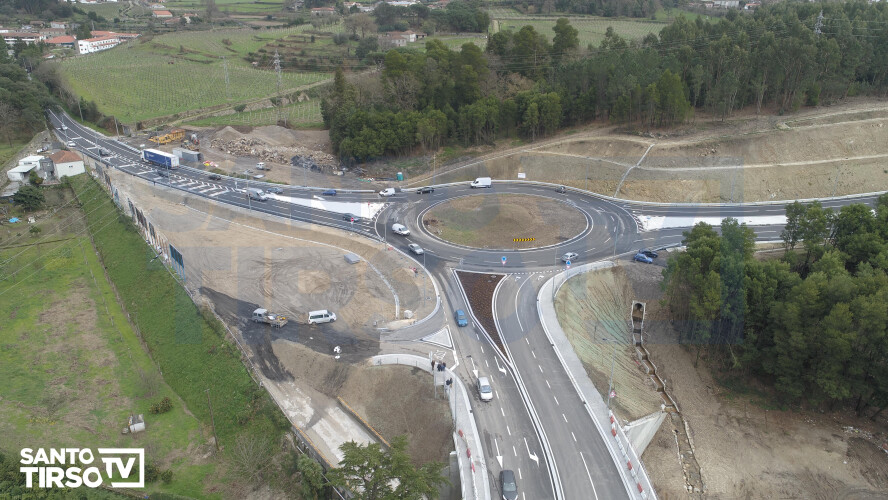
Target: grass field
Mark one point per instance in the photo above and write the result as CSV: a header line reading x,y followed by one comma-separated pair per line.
x,y
229,6
8,151
304,114
591,29
179,72
72,368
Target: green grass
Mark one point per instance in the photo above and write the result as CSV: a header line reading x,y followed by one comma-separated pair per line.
x,y
107,10
8,151
671,13
591,29
145,80
190,348
60,343
308,112
229,6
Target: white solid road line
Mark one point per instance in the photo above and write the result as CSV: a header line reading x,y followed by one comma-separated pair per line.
x,y
565,418
556,400
508,430
590,475
573,436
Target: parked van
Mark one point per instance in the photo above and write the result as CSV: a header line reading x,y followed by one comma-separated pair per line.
x,y
256,194
481,182
322,316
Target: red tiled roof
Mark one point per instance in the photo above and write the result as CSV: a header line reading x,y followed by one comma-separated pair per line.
x,y
65,157
62,39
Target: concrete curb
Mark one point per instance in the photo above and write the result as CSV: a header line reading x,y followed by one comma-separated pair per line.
x,y
636,480
467,442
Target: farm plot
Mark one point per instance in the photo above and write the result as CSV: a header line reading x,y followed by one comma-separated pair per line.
x,y
305,113
141,82
591,29
230,6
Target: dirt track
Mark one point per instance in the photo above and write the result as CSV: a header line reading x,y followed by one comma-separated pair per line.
x,y
818,152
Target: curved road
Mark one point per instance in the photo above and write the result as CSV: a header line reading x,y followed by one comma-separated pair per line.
x,y
536,424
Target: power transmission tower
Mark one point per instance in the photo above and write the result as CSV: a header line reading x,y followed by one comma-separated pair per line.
x,y
277,69
819,23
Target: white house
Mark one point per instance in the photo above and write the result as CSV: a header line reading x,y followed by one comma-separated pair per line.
x,y
97,44
67,163
21,172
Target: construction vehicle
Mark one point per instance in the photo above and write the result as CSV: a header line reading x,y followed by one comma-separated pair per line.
x,y
177,134
263,316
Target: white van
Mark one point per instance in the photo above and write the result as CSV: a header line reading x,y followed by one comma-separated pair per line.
x,y
400,229
322,316
256,194
481,182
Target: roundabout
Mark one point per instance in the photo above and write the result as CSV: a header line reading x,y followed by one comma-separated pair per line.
x,y
504,221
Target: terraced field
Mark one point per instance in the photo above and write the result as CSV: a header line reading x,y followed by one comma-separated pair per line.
x,y
591,29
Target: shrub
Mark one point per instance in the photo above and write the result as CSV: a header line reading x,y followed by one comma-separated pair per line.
x,y
162,406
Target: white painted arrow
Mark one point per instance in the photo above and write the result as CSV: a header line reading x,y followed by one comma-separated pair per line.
x,y
498,367
473,367
499,458
532,456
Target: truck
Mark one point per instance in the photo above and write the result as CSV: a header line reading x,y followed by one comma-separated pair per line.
x,y
256,194
481,182
187,154
160,158
263,316
175,135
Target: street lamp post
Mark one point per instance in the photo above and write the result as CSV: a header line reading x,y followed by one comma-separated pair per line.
x,y
610,384
615,241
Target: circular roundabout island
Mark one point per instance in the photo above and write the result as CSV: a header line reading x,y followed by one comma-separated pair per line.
x,y
504,221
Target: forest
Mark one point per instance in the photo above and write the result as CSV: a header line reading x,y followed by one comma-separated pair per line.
x,y
777,59
813,323
22,100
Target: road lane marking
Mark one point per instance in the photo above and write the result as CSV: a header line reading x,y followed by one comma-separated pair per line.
x,y
565,418
556,401
534,354
547,384
482,352
508,430
590,476
541,368
525,339
514,450
486,363
502,411
519,474
572,435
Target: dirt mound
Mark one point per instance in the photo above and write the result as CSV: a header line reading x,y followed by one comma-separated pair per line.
x,y
275,135
227,134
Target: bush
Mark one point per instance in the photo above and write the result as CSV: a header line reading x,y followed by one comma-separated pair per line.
x,y
162,406
340,38
166,476
240,107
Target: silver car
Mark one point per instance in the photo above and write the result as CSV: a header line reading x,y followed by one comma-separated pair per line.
x,y
415,248
569,257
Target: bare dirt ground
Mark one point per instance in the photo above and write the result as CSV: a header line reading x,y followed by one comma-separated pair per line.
x,y
746,448
596,305
825,151
494,221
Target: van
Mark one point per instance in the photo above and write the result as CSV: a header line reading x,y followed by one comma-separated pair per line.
x,y
322,316
481,182
256,194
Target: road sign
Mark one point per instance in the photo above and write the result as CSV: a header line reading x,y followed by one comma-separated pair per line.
x,y
504,260
567,264
613,394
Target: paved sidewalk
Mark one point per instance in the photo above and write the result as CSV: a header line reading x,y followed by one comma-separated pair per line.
x,y
472,467
628,463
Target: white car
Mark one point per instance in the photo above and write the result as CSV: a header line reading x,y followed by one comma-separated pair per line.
x,y
400,229
569,257
387,192
415,248
71,144
484,389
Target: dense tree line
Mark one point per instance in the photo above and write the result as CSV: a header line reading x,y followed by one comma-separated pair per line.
x,y
459,16
815,323
770,58
22,100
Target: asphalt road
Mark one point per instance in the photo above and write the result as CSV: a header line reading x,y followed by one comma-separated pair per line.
x,y
562,453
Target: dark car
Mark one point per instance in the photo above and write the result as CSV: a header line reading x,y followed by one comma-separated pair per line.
x,y
351,218
425,190
162,173
650,253
104,152
460,317
329,192
508,486
274,190
214,177
561,189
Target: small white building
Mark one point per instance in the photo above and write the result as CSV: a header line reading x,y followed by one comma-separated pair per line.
x,y
21,172
97,44
67,163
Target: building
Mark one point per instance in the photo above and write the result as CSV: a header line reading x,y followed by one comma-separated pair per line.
x,y
37,24
403,3
14,36
387,40
67,163
58,24
97,44
21,172
51,32
322,11
66,41
163,14
727,4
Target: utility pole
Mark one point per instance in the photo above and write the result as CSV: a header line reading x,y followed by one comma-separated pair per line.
x,y
819,24
212,419
277,69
